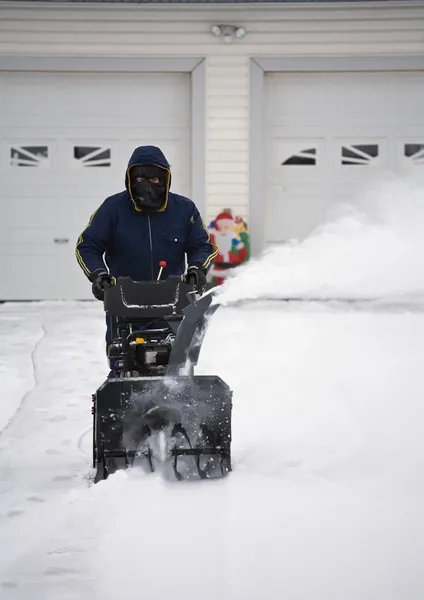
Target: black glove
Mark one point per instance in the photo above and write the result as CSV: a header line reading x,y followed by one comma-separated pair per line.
x,y
101,282
196,277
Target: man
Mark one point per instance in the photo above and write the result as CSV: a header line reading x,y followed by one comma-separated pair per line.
x,y
138,228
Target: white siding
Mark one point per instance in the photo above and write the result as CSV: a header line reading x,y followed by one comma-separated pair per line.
x,y
117,30
227,122
162,30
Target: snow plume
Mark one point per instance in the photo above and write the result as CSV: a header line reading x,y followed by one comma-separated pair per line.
x,y
374,249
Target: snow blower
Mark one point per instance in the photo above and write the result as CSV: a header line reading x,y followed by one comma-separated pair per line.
x,y
152,410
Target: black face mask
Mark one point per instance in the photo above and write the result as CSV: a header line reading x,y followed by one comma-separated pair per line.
x,y
148,194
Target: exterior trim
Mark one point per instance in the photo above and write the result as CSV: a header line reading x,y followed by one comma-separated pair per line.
x,y
256,156
340,63
94,63
259,67
198,137
228,4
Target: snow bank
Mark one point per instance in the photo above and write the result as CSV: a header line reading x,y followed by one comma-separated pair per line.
x,y
374,249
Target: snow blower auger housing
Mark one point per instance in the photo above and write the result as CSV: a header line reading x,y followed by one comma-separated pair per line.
x,y
152,410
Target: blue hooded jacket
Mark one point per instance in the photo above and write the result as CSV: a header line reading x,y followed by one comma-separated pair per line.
x,y
133,242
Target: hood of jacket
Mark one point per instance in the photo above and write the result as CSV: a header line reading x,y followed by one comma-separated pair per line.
x,y
149,155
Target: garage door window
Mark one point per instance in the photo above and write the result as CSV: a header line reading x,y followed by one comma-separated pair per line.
x,y
415,153
359,154
92,156
29,156
303,158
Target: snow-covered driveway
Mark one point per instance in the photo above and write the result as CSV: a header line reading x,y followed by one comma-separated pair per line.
x,y
326,497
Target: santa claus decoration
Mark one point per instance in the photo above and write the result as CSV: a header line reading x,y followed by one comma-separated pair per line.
x,y
230,235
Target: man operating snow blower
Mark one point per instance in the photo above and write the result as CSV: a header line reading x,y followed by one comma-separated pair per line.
x,y
156,318
145,231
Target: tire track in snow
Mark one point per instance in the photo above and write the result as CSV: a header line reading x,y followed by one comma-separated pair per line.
x,y
84,445
24,400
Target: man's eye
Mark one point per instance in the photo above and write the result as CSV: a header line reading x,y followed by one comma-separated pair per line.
x,y
140,179
155,180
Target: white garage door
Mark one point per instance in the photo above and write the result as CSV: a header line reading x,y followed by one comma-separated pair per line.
x,y
329,136
66,141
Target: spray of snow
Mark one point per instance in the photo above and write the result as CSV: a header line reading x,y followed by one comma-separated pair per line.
x,y
373,249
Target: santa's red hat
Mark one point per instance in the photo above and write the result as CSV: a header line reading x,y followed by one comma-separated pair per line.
x,y
224,215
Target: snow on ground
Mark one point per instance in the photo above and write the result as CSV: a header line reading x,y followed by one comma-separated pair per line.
x,y
326,497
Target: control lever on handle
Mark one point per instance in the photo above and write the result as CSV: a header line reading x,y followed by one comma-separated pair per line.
x,y
162,265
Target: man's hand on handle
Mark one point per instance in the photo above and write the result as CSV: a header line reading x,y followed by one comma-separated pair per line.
x,y
196,277
101,282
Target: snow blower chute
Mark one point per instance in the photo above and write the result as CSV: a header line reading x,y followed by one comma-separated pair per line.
x,y
152,410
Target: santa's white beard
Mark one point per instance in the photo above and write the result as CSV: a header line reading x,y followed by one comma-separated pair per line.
x,y
224,241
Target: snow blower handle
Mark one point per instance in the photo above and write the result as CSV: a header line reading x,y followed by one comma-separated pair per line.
x,y
162,265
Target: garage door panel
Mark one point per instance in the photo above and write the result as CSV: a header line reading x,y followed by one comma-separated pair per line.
x,y
29,240
28,210
28,247
75,215
96,98
296,213
73,276
29,276
340,98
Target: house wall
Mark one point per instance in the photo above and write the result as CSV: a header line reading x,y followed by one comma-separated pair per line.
x,y
395,29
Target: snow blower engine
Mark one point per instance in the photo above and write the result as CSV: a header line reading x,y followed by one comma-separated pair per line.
x,y
152,410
